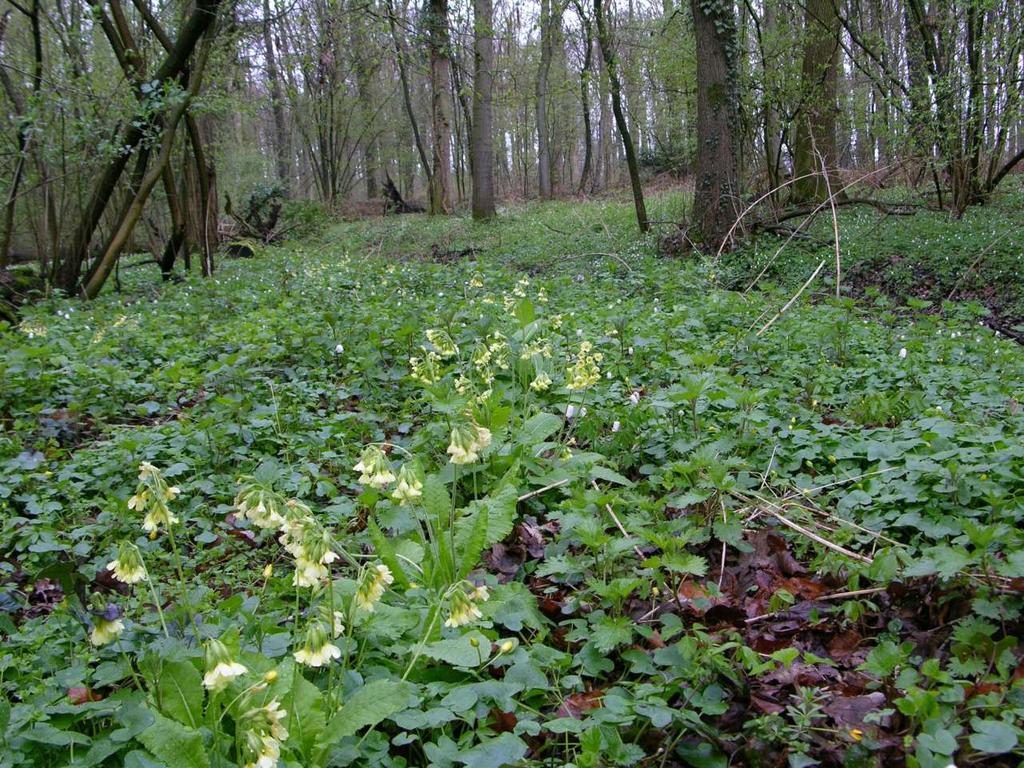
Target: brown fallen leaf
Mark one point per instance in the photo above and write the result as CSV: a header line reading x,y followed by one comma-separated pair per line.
x,y
81,694
577,703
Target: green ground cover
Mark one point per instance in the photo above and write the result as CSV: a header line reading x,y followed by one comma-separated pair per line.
x,y
606,511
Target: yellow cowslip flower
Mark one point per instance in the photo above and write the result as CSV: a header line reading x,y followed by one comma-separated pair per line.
x,y
264,732
476,281
221,668
461,610
153,495
128,567
499,350
107,626
427,369
584,372
521,286
410,484
443,343
308,573
542,295
318,649
537,348
856,734
507,646
372,585
159,515
541,383
375,468
467,440
259,504
297,518
480,594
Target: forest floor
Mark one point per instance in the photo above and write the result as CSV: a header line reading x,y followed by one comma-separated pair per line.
x,y
711,534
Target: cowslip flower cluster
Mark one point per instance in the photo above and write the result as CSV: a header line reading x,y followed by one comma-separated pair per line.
x,y
462,606
410,483
541,383
317,650
309,543
264,733
107,626
427,369
584,372
153,495
221,667
128,567
372,584
374,467
443,343
468,439
259,504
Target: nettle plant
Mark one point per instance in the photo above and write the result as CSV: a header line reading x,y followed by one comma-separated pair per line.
x,y
355,628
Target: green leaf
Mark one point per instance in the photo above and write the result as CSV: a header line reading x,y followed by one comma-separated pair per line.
x,y
538,428
386,553
506,749
474,545
609,633
501,515
597,472
306,720
525,313
993,737
459,651
436,501
174,744
372,704
180,692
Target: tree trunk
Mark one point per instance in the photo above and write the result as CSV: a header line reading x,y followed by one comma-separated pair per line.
x,y
74,255
543,139
608,52
483,110
585,74
716,197
282,151
604,177
815,143
407,96
440,107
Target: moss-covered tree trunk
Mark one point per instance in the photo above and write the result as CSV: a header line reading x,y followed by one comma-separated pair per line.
x,y
716,199
814,147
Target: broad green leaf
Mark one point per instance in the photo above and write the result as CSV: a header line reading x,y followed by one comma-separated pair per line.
x,y
471,549
598,472
372,704
538,428
506,749
993,737
174,744
180,692
436,501
386,553
460,651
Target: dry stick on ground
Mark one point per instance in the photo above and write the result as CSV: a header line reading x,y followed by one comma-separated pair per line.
x,y
788,502
789,303
776,511
809,217
545,489
833,596
618,523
